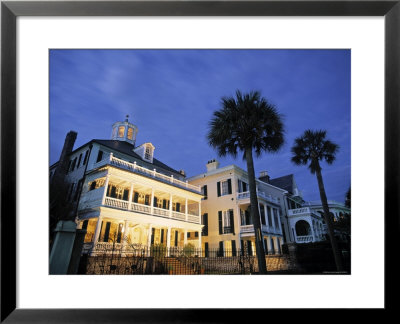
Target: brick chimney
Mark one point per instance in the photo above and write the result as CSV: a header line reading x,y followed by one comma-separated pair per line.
x,y
264,176
212,165
62,167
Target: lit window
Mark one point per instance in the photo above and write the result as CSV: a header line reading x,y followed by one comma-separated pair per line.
x,y
130,133
121,131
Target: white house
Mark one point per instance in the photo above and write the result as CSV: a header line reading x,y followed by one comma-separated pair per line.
x,y
125,196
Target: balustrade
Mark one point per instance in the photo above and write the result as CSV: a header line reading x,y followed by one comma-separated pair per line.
x,y
135,207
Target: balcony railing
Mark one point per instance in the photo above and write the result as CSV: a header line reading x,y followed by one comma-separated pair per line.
x,y
304,239
141,170
135,207
264,228
246,195
297,211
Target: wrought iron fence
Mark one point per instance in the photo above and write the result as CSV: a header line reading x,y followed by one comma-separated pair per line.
x,y
138,259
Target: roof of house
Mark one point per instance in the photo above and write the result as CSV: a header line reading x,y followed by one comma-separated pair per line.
x,y
127,148
286,182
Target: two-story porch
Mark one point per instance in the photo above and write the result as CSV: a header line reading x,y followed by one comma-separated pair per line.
x,y
269,210
119,206
306,225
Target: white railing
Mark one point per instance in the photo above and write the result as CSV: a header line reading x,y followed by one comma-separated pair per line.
x,y
193,218
135,207
160,211
297,211
178,215
246,228
140,208
304,239
152,173
246,195
117,203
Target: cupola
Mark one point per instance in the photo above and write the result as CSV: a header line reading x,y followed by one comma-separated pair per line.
x,y
124,131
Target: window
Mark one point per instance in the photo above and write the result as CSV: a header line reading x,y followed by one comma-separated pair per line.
x,y
204,221
79,160
92,185
204,192
147,154
73,164
269,216
242,186
114,132
130,133
99,156
224,188
121,131
85,158
226,222
262,214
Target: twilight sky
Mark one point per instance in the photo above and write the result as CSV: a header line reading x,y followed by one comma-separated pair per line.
x,y
171,96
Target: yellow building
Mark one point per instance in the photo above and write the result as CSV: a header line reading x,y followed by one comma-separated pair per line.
x,y
225,210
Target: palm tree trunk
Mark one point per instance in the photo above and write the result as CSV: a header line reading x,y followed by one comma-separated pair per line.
x,y
254,212
328,220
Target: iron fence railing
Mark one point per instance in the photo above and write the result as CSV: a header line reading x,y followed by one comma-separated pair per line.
x,y
131,259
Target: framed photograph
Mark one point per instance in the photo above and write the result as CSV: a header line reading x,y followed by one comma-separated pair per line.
x,y
348,51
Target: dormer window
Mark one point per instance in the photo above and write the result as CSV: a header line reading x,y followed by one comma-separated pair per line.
x,y
147,154
121,131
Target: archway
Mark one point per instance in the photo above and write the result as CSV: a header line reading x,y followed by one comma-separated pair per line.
x,y
303,228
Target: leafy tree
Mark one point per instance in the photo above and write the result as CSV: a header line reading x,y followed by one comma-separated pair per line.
x,y
311,148
247,123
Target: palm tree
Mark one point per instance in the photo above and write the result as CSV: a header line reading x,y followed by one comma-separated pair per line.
x,y
311,148
246,123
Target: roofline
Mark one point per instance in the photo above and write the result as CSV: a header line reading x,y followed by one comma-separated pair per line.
x,y
227,168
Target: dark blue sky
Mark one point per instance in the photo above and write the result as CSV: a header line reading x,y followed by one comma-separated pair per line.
x,y
171,95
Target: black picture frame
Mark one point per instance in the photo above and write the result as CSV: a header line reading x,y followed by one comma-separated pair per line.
x,y
10,10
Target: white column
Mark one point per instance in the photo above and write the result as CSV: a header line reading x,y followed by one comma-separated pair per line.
x,y
170,205
185,237
105,188
276,242
130,197
149,236
279,220
97,231
312,230
266,214
125,236
199,212
186,208
168,240
273,218
268,247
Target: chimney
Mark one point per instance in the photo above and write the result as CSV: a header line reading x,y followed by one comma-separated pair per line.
x,y
212,165
62,167
182,172
264,176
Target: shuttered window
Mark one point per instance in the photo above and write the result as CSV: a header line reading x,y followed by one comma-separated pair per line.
x,y
233,243
221,249
205,223
220,222
204,192
224,187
